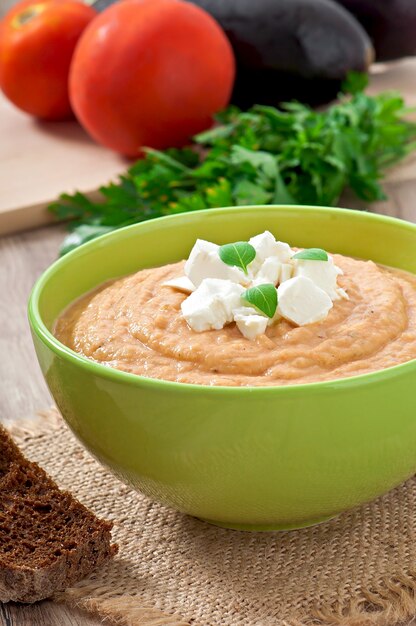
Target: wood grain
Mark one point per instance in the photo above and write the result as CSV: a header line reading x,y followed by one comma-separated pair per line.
x,y
43,614
23,391
22,260
40,160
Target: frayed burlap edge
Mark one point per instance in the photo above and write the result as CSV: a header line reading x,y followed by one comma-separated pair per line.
x,y
123,611
391,602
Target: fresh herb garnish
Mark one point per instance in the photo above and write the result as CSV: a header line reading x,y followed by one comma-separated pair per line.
x,y
311,254
291,155
263,297
238,254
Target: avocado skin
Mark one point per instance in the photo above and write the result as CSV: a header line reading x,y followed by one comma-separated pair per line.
x,y
290,49
391,25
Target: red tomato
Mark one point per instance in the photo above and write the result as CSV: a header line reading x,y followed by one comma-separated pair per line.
x,y
150,73
37,41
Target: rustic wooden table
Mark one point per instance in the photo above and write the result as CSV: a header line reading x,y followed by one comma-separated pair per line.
x,y
22,390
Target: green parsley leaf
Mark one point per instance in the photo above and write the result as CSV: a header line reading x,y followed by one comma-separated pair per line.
x,y
246,192
263,297
290,155
238,254
311,254
355,82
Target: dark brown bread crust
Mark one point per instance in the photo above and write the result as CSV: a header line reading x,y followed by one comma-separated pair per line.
x,y
48,540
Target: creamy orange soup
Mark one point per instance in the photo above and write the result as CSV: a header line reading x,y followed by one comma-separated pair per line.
x,y
135,324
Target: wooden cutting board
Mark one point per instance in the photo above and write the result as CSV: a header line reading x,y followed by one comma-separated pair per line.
x,y
39,160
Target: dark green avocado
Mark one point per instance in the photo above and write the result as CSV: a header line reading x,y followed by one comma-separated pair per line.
x,y
391,25
290,49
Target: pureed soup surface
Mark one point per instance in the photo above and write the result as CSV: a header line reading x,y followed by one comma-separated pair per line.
x,y
135,324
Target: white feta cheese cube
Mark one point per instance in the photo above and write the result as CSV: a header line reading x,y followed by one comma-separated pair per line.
x,y
182,283
251,326
204,262
286,272
266,245
302,302
245,310
342,293
269,272
323,273
212,304
250,322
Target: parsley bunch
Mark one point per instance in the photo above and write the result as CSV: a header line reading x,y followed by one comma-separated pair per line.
x,y
290,155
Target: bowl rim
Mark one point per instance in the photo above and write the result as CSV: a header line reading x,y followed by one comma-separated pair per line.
x,y
119,376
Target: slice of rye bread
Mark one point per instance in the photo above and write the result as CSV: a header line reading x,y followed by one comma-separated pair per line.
x,y
48,540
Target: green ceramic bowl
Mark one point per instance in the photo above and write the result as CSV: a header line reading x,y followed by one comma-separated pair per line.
x,y
245,457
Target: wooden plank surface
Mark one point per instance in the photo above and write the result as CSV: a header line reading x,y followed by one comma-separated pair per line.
x,y
40,160
23,391
44,614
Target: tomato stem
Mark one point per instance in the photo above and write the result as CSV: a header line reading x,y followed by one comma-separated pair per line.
x,y
28,15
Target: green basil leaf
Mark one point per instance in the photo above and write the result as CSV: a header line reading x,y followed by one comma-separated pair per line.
x,y
312,254
238,254
263,297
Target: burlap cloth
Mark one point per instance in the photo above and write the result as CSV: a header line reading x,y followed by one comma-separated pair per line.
x,y
357,570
